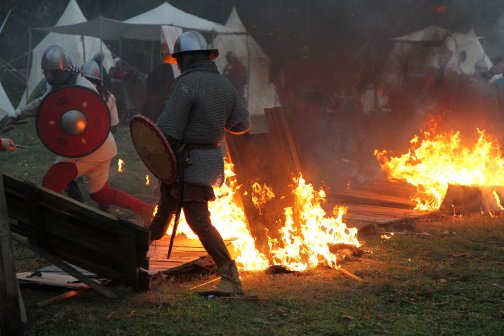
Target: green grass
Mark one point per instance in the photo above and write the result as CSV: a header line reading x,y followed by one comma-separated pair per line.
x,y
449,282
446,278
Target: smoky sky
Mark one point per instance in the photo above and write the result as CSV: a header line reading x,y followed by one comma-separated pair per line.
x,y
338,29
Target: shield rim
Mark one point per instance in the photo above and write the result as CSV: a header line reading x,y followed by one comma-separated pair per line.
x,y
165,142
80,88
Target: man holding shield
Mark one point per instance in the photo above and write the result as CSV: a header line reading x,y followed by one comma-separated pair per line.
x,y
202,106
82,139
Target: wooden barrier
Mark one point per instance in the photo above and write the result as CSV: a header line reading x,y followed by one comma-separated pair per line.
x,y
12,311
59,228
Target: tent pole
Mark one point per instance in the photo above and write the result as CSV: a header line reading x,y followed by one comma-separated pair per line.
x,y
28,62
83,49
151,66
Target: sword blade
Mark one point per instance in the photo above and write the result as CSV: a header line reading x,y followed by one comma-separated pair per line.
x,y
174,230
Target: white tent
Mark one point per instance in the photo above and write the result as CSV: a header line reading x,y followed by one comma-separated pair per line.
x,y
260,93
6,107
81,48
146,26
430,48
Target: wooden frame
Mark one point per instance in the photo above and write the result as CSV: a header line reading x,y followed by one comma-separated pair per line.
x,y
67,232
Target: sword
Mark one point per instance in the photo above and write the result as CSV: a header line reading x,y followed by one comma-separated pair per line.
x,y
32,149
180,172
174,230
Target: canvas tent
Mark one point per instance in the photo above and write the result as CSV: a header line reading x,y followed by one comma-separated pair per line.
x,y
81,48
145,26
260,93
6,107
431,47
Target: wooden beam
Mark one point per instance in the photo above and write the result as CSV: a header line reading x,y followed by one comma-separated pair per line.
x,y
12,310
65,267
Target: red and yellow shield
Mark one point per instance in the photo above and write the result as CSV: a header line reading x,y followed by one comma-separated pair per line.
x,y
73,121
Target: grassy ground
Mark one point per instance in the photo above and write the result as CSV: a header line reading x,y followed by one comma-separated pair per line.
x,y
445,278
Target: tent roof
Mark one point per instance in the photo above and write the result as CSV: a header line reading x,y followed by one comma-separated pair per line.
x,y
81,50
145,26
5,104
101,27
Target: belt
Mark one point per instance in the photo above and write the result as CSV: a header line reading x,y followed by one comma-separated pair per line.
x,y
203,146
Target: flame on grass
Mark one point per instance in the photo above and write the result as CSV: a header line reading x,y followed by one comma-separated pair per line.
x,y
120,164
436,160
306,236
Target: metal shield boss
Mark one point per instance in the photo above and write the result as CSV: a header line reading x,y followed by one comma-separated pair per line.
x,y
153,148
73,121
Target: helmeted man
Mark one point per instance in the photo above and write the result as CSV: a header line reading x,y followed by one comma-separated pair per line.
x,y
203,105
91,71
59,71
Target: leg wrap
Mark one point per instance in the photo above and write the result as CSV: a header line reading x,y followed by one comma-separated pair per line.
x,y
59,176
111,196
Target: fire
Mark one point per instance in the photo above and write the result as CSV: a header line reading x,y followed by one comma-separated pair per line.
x,y
230,220
154,212
261,194
120,164
306,236
437,160
147,180
308,232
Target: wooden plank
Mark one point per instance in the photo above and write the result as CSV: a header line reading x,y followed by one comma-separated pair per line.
x,y
12,310
65,267
80,234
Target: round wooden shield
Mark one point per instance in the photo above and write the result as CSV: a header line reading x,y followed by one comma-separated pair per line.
x,y
153,148
73,121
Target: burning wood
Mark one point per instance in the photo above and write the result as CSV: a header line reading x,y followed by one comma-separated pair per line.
x,y
469,199
304,241
438,160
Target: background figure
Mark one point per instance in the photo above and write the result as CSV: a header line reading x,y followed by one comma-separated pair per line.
x,y
236,72
105,78
159,85
128,86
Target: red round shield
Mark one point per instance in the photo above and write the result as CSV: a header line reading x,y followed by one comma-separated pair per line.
x,y
153,148
73,121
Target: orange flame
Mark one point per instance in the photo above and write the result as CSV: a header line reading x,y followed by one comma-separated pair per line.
x,y
147,180
437,160
120,164
261,194
305,241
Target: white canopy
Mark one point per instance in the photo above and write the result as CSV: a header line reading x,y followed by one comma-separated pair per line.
x,y
81,48
6,107
260,93
148,24
145,26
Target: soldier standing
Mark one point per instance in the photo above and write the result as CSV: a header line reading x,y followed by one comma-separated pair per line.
x,y
203,105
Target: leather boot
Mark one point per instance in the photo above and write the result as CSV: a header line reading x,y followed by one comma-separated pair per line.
x,y
230,283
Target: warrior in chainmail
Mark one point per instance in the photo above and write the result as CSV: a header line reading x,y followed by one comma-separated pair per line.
x,y
202,106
